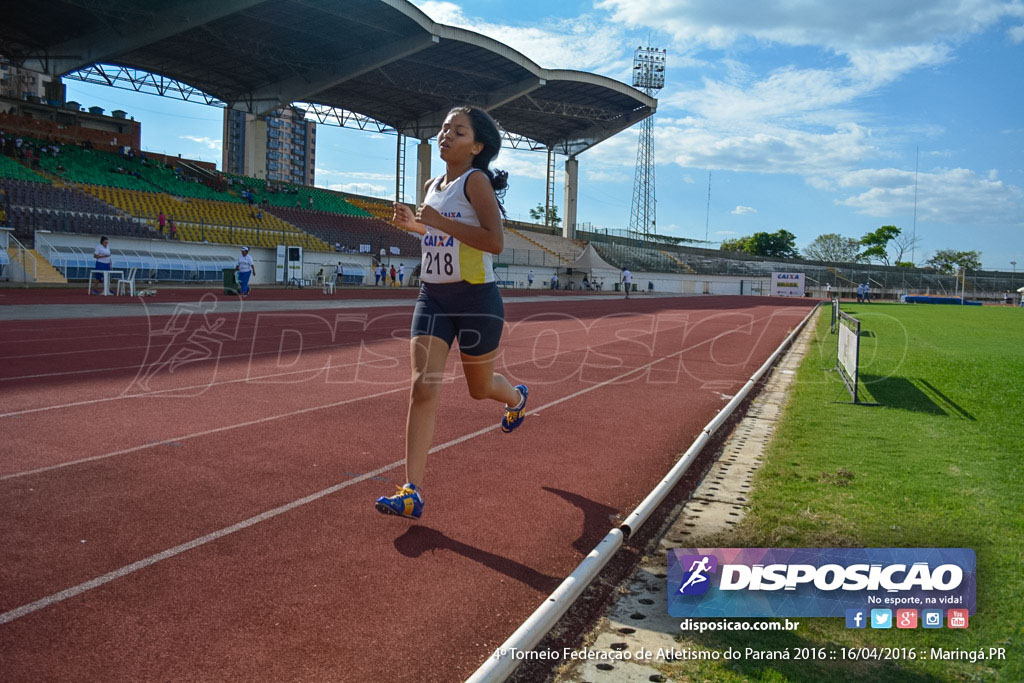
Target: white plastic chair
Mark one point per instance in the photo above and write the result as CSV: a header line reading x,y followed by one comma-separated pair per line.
x,y
127,284
329,284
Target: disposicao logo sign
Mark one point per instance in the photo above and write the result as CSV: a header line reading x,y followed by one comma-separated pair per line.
x,y
816,582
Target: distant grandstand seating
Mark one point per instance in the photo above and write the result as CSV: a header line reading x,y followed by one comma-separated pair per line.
x,y
374,207
86,166
9,168
35,206
208,220
352,231
288,195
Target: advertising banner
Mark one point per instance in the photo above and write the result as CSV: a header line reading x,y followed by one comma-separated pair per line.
x,y
787,284
817,582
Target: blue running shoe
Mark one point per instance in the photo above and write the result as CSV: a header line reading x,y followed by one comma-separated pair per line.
x,y
514,416
406,503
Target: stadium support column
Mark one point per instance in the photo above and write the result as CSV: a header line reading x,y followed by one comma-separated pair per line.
x,y
572,170
422,169
256,148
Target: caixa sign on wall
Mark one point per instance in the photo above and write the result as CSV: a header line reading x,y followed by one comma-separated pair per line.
x,y
787,284
816,582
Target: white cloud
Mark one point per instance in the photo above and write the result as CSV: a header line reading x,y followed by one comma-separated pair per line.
x,y
740,210
834,25
771,149
521,164
366,189
607,176
211,143
951,196
577,43
1016,34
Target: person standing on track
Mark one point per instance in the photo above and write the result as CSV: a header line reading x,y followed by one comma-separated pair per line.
x,y
246,269
460,222
627,280
102,255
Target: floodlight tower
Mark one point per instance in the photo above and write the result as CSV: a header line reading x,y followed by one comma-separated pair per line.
x,y
649,77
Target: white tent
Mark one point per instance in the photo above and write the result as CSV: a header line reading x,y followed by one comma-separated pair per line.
x,y
596,268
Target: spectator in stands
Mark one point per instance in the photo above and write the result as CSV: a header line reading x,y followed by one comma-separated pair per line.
x,y
173,230
170,226
459,298
161,220
627,280
259,215
309,203
401,273
102,255
246,269
529,280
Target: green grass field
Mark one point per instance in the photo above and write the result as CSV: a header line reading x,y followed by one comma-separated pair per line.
x,y
938,464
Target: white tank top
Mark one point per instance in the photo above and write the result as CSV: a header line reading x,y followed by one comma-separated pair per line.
x,y
445,259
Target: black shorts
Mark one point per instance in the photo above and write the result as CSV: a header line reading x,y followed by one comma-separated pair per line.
x,y
473,314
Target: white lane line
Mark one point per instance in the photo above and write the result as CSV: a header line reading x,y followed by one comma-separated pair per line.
x,y
60,596
195,435
214,384
178,439
205,385
67,593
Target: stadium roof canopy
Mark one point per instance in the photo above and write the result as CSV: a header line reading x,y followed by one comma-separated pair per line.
x,y
383,59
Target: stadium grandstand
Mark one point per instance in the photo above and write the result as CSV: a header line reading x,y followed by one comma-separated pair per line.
x,y
66,172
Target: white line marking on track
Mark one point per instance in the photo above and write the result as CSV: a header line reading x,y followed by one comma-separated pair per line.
x,y
67,593
60,596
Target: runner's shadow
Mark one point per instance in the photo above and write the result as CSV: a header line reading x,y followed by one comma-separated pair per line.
x,y
420,539
598,519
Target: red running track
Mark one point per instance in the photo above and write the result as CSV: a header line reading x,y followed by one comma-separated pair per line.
x,y
189,497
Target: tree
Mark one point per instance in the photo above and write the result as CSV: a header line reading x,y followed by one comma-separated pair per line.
x,y
901,245
877,243
833,248
780,244
537,214
949,260
736,244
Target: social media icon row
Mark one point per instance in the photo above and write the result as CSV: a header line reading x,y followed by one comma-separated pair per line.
x,y
905,618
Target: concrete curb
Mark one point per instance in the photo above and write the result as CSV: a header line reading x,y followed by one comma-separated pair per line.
x,y
638,618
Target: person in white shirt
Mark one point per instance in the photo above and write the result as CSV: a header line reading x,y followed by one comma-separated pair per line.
x,y
401,273
460,224
529,280
246,269
102,255
627,279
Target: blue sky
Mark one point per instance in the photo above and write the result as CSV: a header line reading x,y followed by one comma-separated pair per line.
x,y
808,115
